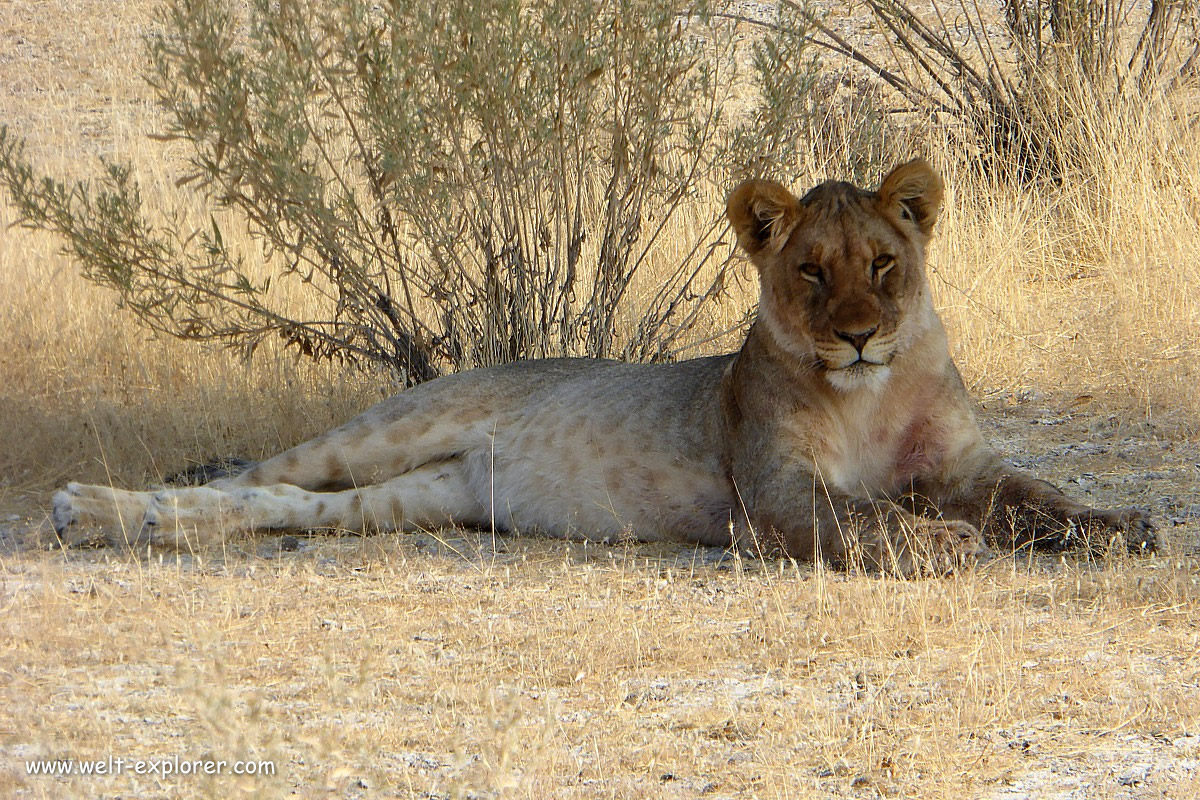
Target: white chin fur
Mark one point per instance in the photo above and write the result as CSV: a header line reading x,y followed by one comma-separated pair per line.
x,y
858,378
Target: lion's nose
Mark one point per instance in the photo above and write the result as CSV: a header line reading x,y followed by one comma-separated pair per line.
x,y
857,338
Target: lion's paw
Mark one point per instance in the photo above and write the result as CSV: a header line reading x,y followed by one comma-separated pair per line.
x,y
63,513
81,511
1104,529
952,545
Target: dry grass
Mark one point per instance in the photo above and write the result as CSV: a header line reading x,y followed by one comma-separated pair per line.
x,y
411,667
384,668
1090,284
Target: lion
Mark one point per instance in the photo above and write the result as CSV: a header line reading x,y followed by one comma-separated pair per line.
x,y
840,430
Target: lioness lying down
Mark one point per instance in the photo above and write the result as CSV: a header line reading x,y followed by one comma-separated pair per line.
x,y
840,430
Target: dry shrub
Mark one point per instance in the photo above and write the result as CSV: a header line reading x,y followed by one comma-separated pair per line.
x,y
1089,279
450,185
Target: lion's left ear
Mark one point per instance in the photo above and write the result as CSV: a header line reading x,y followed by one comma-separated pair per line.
x,y
916,190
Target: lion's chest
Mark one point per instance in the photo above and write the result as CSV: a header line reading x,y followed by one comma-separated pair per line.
x,y
876,448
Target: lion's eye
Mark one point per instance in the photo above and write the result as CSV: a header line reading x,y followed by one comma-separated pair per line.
x,y
882,265
812,273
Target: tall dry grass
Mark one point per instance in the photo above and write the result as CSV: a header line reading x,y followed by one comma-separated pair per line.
x,y
84,391
1087,286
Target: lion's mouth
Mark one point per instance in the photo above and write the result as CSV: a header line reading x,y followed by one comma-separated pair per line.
x,y
858,365
859,374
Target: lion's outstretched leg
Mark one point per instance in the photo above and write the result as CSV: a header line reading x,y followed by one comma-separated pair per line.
x,y
434,495
1015,510
1025,510
81,509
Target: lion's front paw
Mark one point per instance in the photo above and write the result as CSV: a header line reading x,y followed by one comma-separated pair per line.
x,y
1102,529
924,546
953,545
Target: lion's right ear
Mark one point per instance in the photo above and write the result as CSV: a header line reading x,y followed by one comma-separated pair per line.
x,y
763,215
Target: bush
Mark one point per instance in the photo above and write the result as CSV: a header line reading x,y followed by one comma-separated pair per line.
x,y
1028,91
453,184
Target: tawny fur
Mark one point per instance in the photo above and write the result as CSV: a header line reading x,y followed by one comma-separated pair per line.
x,y
840,429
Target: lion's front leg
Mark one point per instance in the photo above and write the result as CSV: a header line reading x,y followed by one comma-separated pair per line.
x,y
875,534
1015,510
1022,510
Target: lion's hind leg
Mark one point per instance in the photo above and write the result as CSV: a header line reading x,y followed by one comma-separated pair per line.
x,y
80,511
433,496
392,439
83,509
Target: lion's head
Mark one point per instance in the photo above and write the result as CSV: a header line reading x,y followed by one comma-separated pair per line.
x,y
842,270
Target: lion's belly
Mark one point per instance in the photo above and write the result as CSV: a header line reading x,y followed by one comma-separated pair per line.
x,y
646,496
633,455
